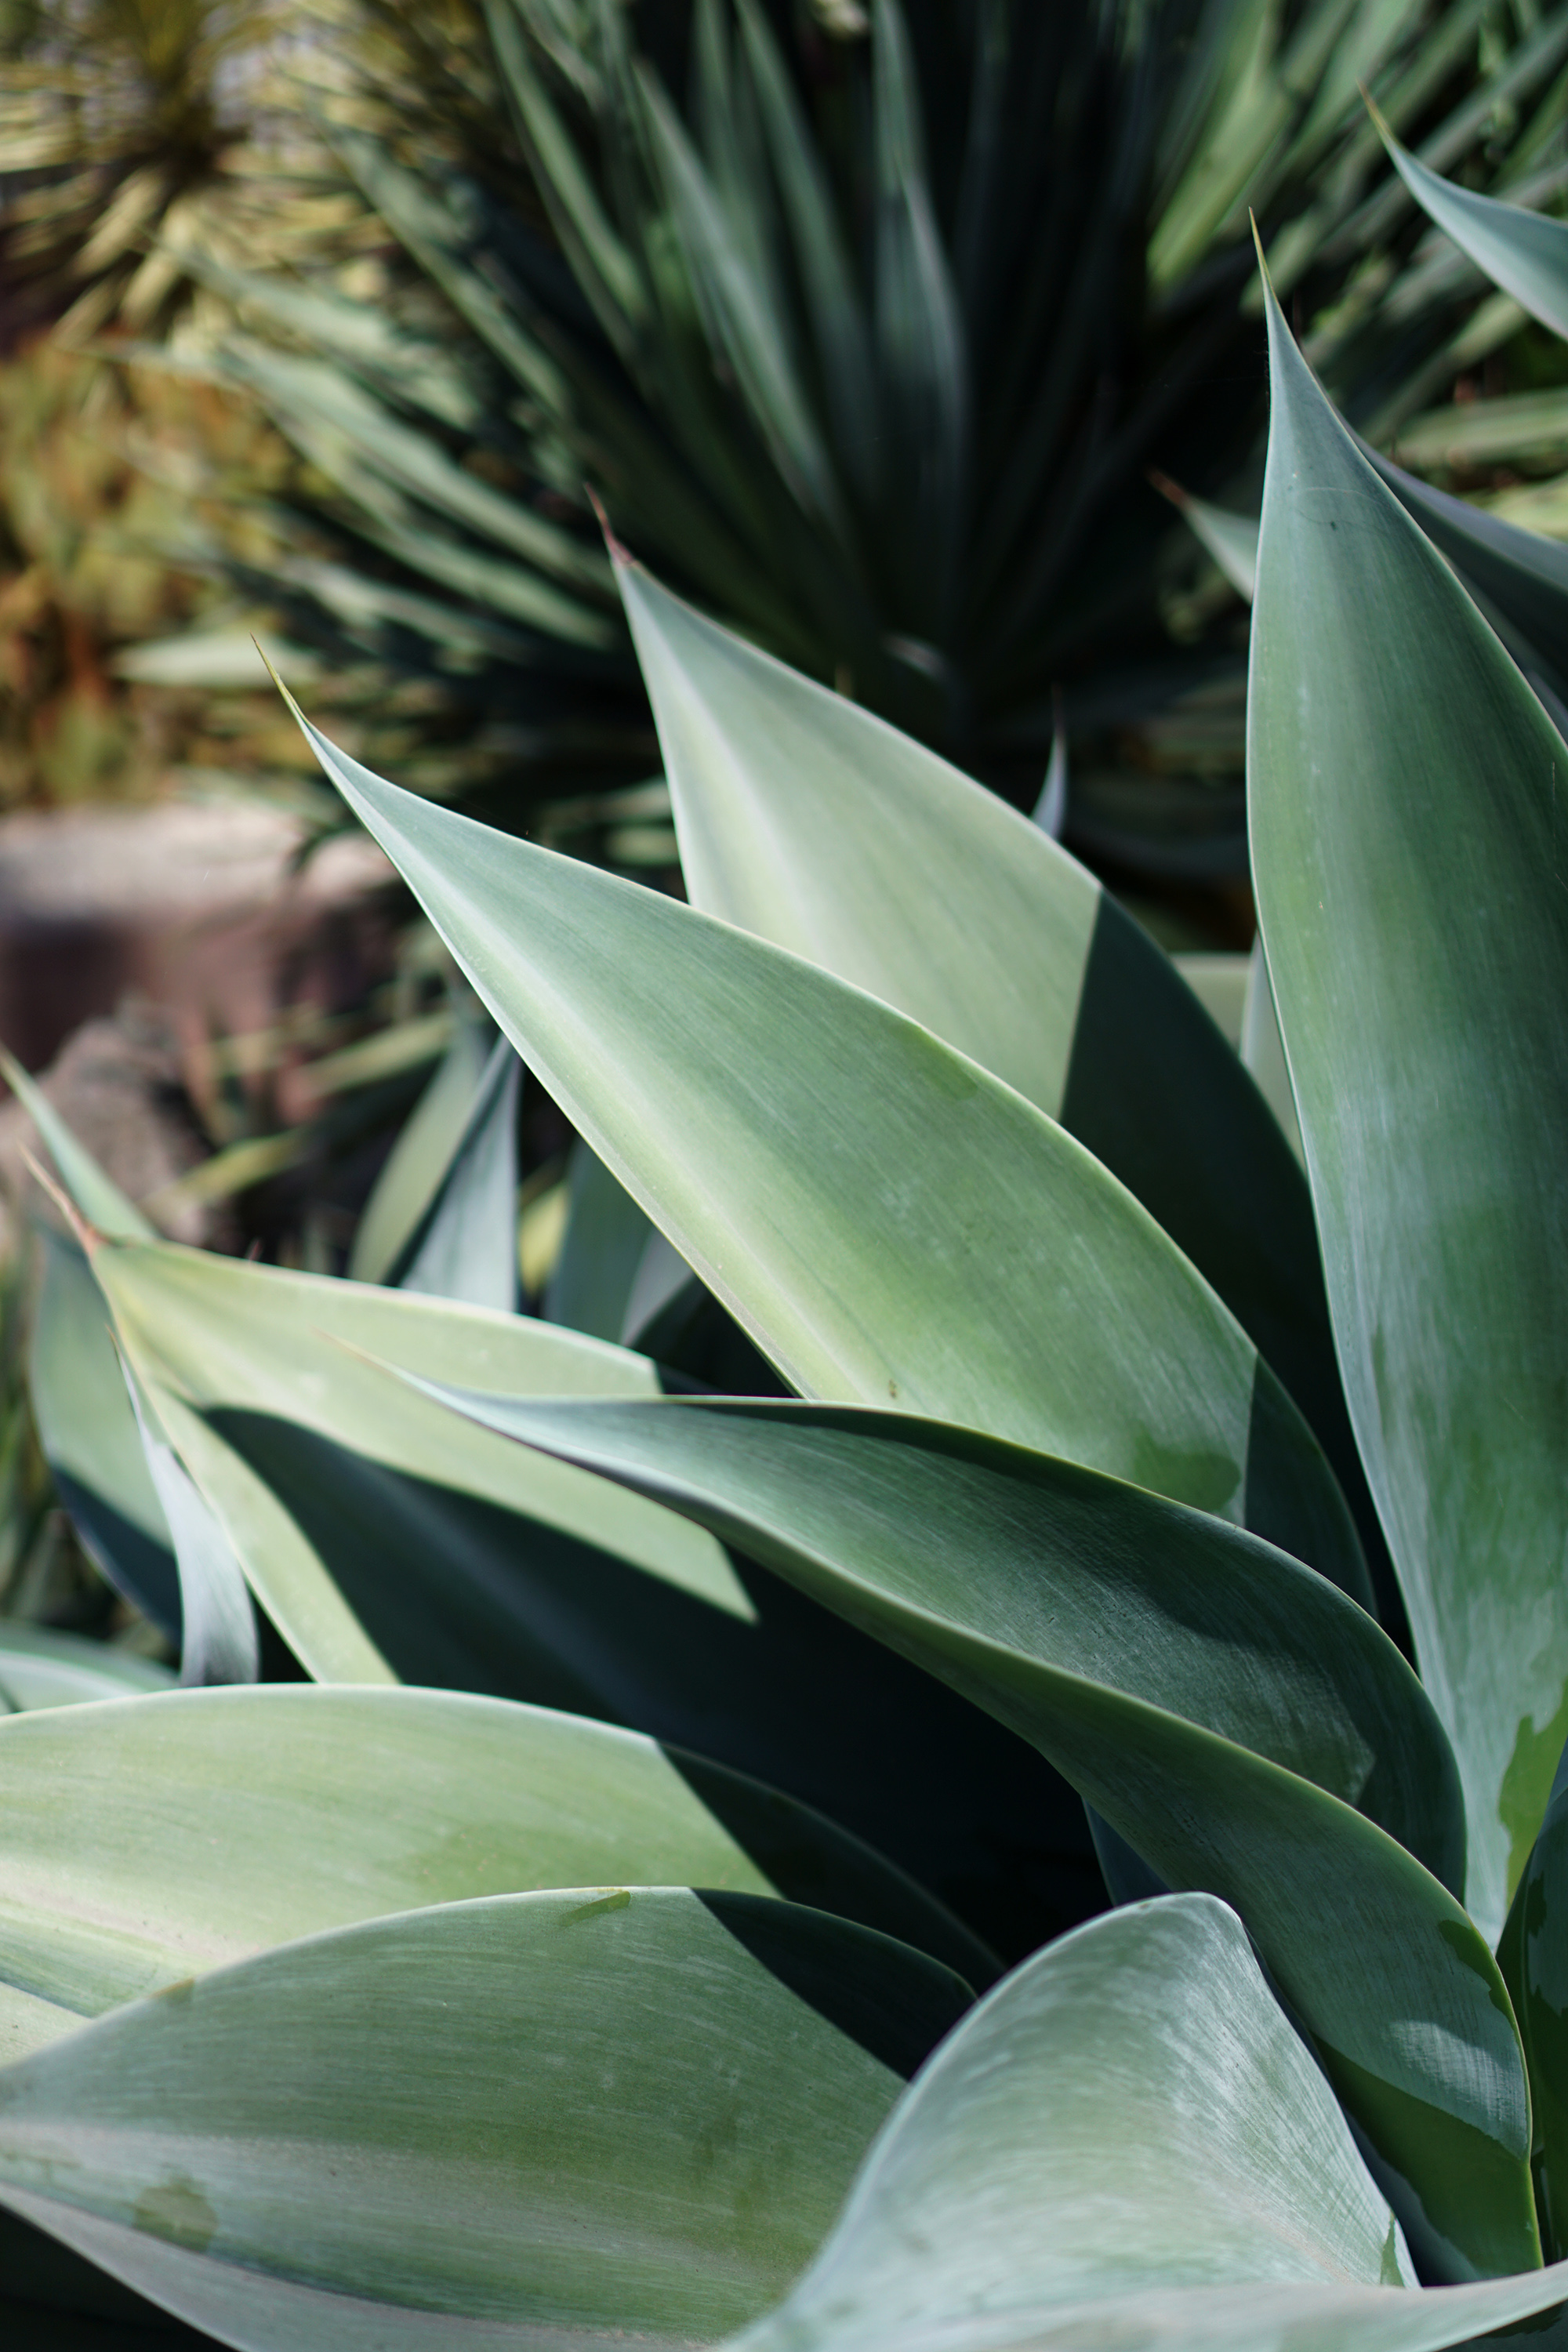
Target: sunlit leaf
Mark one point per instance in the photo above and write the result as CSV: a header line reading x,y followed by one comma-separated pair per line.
x,y
886,1219
1404,789
1154,1656
571,2111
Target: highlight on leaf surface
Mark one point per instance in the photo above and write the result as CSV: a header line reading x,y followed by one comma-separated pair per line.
x,y
884,1217
1066,1607
1403,782
582,2110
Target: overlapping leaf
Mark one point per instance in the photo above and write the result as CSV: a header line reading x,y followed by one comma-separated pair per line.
x,y
90,1440
149,1843
1156,1658
886,1219
538,1594
810,822
1406,794
563,2112
1073,2167
1531,1955
1524,253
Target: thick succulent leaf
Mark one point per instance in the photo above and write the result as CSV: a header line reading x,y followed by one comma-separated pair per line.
x,y
1083,1573
233,1355
1405,787
1041,1593
1263,1048
418,1162
219,1642
1126,2142
1522,575
1076,2142
465,1247
571,2112
1230,538
602,1250
810,822
385,1543
91,1441
42,1669
885,1217
1533,1958
145,1844
1525,254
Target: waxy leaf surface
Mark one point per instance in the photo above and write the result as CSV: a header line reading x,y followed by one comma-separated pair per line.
x,y
1152,1656
148,1843
1409,810
571,2112
886,1219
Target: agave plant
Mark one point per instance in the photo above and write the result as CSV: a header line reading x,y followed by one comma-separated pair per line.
x,y
443,2045
865,329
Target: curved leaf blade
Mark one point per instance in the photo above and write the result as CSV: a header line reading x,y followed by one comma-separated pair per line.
x,y
386,1545
883,1216
42,1669
144,1844
1055,1632
220,1345
1531,1955
91,1441
1074,2143
806,820
585,2110
1404,785
407,1187
1525,254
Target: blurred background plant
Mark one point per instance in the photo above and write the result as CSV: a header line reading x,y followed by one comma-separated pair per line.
x,y
868,327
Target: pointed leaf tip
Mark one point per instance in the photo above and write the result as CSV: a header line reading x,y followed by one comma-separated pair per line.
x,y
620,555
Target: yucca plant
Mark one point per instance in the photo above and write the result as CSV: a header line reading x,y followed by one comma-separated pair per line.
x,y
445,2048
867,329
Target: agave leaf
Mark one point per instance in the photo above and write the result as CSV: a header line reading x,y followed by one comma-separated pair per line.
x,y
566,2112
145,1847
218,1638
1230,538
465,1247
249,1361
1078,1571
885,1218
1022,1581
1522,575
91,1441
808,821
606,1240
1405,788
1525,254
1530,1955
411,1179
385,1543
1073,2143
1071,2170
1263,1048
40,1668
